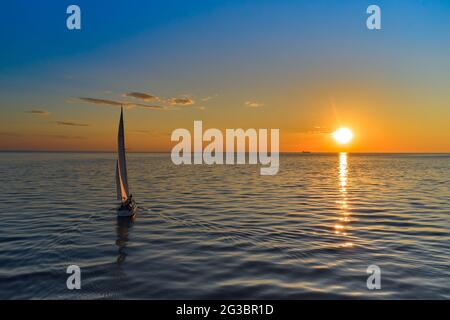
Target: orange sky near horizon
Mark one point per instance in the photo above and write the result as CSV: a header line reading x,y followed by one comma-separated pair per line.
x,y
370,134
384,123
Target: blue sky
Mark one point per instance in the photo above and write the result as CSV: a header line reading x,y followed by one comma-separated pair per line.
x,y
35,31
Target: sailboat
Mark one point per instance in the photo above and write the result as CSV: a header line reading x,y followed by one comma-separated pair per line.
x,y
128,206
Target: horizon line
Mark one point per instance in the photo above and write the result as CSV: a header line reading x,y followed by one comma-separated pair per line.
x,y
281,152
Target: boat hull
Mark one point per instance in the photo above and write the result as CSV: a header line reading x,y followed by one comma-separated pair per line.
x,y
127,212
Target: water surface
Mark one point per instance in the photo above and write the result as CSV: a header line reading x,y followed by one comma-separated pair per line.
x,y
225,231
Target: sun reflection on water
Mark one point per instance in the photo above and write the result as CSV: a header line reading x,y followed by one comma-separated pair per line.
x,y
340,228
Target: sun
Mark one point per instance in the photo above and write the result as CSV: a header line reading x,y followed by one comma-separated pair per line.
x,y
343,135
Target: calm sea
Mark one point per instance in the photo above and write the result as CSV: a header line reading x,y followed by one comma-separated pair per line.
x,y
225,231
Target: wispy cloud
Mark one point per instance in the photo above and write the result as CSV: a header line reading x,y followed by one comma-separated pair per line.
x,y
102,101
207,98
144,106
142,96
183,101
253,104
164,103
317,130
38,112
73,124
119,103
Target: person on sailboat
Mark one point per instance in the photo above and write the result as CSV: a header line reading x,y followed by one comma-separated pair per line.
x,y
128,202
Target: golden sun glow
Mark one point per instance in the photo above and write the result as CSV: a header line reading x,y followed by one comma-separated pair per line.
x,y
343,135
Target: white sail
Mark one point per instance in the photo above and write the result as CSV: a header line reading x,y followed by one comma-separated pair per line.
x,y
119,193
121,168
